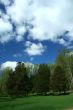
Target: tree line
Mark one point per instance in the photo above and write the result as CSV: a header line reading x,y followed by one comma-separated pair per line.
x,y
42,79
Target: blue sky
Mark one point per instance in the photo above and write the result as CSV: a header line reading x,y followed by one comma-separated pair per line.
x,y
35,30
13,51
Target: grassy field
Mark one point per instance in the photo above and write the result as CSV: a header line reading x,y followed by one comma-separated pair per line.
x,y
37,103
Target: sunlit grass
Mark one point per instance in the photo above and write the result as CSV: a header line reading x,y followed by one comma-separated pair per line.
x,y
37,103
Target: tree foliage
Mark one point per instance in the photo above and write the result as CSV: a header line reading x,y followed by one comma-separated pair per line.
x,y
42,79
18,82
59,80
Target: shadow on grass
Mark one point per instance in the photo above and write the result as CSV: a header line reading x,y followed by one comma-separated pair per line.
x,y
4,98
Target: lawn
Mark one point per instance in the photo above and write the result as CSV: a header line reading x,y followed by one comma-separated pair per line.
x,y
37,103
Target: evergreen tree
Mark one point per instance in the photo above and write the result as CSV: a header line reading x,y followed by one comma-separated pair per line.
x,y
42,79
20,84
63,61
4,77
59,81
10,84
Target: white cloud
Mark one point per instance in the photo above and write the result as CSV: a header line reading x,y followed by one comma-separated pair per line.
x,y
5,30
50,19
5,26
11,64
5,2
28,43
20,11
20,31
19,38
33,49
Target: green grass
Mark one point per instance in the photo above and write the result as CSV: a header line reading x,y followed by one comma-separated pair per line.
x,y
37,103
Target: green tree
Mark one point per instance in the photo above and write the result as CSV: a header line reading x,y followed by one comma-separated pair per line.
x,y
59,80
42,79
10,84
4,77
63,61
20,83
70,62
70,65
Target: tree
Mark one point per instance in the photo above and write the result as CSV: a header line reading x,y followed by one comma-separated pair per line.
x,y
4,77
33,74
69,57
20,83
64,61
42,79
59,80
70,62
61,60
11,84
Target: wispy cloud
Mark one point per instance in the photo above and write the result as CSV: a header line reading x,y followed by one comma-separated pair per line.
x,y
17,55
